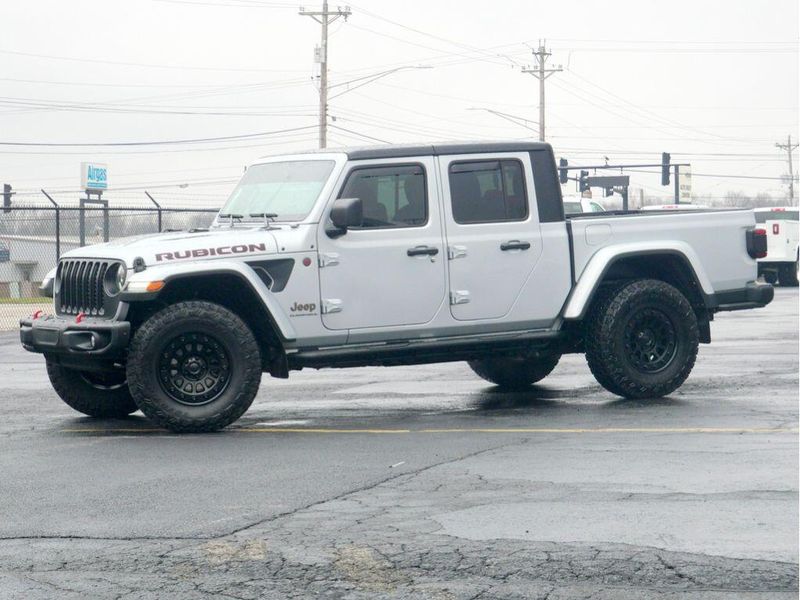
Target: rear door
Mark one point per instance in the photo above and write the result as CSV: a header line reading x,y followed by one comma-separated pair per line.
x,y
391,270
492,229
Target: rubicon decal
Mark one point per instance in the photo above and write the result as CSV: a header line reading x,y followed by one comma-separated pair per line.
x,y
204,252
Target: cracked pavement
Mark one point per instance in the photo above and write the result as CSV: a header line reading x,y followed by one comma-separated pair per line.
x,y
420,482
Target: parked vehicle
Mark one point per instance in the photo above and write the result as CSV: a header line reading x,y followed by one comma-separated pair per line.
x,y
574,205
683,206
781,226
395,255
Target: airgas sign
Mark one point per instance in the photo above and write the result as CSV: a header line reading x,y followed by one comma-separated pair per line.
x,y
94,177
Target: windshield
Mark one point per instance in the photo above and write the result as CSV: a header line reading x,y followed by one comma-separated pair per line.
x,y
286,189
776,215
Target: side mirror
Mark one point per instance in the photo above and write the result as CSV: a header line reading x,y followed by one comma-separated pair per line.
x,y
346,213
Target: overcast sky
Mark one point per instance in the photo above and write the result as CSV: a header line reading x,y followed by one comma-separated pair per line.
x,y
714,82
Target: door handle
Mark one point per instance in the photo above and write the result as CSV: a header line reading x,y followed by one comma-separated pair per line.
x,y
422,251
515,245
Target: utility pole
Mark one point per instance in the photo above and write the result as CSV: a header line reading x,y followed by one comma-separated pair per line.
x,y
541,73
324,18
789,147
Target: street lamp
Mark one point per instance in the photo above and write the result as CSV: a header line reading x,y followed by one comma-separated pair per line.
x,y
521,121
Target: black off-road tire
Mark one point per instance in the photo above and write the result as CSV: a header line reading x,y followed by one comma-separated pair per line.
x,y
217,339
514,373
93,394
787,274
618,322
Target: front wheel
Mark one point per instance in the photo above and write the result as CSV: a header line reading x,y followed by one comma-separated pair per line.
x,y
641,339
514,373
93,394
194,367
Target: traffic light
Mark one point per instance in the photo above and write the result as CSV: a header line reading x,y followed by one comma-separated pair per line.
x,y
562,170
665,168
583,184
6,197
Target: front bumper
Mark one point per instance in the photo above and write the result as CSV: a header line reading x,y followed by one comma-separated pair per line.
x,y
754,295
90,339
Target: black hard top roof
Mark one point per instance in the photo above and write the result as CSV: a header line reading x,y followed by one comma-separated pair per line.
x,y
399,151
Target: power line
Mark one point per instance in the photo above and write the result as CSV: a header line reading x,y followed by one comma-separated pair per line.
x,y
649,114
234,4
133,64
715,175
159,142
368,137
298,137
486,53
136,109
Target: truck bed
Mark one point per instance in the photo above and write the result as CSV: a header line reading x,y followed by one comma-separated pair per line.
x,y
715,242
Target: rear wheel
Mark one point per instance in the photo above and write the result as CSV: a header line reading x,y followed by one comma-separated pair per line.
x,y
194,367
788,274
641,339
93,394
514,373
771,277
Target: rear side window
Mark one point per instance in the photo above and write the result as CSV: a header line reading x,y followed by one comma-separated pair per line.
x,y
391,196
488,191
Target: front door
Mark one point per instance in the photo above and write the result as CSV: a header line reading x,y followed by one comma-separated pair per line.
x,y
391,270
493,234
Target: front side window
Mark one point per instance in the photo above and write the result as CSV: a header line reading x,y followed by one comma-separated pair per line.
x,y
391,196
488,191
286,189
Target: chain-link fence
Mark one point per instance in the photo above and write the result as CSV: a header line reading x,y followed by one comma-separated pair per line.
x,y
34,234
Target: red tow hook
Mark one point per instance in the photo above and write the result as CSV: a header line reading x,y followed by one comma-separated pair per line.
x,y
37,314
80,317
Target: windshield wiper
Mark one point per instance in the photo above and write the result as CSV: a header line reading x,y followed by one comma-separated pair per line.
x,y
232,217
267,216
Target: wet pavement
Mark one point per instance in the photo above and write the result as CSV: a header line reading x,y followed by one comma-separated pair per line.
x,y
419,482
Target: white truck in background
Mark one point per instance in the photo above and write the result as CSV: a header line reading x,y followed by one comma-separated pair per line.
x,y
781,226
576,205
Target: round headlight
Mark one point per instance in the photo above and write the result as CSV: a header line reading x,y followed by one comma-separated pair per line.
x,y
115,279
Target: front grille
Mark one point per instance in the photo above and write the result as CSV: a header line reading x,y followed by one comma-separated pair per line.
x,y
80,287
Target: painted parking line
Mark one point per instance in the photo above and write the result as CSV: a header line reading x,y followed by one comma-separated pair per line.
x,y
498,430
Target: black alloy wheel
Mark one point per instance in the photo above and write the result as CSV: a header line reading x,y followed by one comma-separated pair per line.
x,y
650,340
194,369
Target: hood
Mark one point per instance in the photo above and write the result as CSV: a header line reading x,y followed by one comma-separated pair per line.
x,y
163,248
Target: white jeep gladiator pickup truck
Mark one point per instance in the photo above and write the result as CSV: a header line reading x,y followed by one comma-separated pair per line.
x,y
395,255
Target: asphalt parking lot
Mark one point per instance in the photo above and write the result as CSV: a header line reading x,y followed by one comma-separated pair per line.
x,y
419,482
